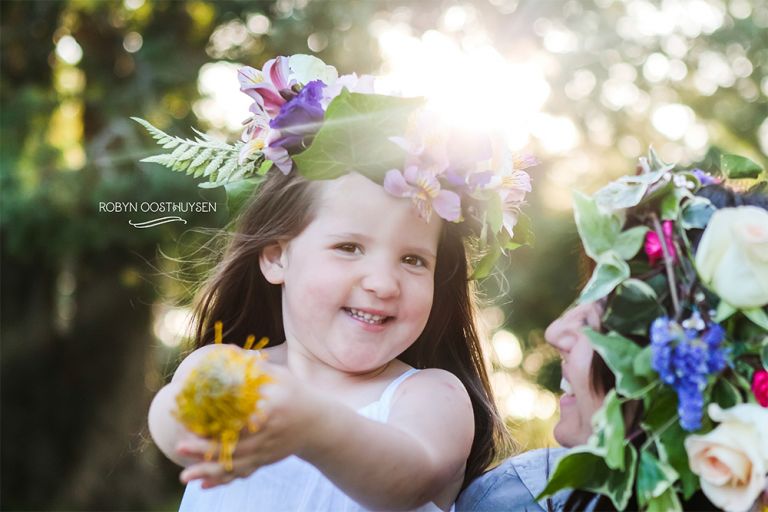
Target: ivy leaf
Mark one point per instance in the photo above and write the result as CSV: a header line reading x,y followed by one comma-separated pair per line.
x,y
670,203
633,307
725,394
355,136
608,428
629,242
696,213
661,410
627,191
737,167
642,364
619,354
598,230
666,502
673,440
584,467
611,270
654,478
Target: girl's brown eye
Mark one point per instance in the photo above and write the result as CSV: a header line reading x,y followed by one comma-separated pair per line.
x,y
349,247
415,261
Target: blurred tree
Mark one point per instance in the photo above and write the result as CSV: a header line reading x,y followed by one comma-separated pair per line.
x,y
80,362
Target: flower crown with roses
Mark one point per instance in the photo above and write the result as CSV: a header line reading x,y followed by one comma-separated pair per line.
x,y
700,298
306,118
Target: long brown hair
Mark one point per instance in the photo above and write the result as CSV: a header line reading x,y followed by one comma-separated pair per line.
x,y
237,294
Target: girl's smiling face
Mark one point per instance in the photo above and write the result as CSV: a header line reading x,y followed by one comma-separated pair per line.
x,y
579,401
358,282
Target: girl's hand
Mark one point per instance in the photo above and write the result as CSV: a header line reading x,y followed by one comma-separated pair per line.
x,y
285,421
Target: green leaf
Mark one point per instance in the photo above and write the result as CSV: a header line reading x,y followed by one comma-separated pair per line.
x,y
724,311
654,478
670,204
758,316
486,263
584,468
629,242
660,410
738,167
667,502
598,230
495,213
355,137
239,192
611,270
764,353
627,191
725,394
673,440
264,168
633,307
619,354
523,233
608,428
696,213
642,364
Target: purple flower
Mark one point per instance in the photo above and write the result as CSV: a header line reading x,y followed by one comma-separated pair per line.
x,y
685,357
295,125
704,178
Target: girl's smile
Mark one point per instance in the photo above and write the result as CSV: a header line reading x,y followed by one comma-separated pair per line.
x,y
358,281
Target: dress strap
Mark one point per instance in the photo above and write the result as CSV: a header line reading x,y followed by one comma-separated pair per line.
x,y
386,396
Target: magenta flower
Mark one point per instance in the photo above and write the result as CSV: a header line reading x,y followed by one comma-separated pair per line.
x,y
653,245
424,189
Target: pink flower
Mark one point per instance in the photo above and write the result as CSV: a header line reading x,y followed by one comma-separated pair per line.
x,y
265,86
255,135
653,245
424,188
760,387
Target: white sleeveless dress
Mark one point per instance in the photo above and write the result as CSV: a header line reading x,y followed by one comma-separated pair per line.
x,y
290,484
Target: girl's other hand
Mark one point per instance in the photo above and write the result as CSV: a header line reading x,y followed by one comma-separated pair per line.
x,y
284,422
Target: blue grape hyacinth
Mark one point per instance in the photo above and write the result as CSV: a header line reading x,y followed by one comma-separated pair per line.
x,y
685,355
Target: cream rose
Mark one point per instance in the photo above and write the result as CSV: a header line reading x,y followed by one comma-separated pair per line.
x,y
732,460
732,258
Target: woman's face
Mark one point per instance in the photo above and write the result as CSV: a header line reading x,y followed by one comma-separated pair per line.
x,y
579,401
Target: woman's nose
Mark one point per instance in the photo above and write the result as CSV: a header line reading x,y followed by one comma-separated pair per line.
x,y
556,334
381,281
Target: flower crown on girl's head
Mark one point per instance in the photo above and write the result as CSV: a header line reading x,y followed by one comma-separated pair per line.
x,y
307,119
693,280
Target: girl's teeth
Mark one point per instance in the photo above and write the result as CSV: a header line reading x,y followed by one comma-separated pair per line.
x,y
366,317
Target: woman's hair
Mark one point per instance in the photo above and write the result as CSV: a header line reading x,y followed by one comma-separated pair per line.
x,y
238,295
602,379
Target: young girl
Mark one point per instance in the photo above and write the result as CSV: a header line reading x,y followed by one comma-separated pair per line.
x,y
379,397
363,291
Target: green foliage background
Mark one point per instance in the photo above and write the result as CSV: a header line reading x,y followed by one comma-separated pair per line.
x,y
80,362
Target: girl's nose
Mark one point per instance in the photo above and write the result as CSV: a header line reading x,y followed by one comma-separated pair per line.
x,y
382,282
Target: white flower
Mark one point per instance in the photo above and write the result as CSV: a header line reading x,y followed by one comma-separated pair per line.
x,y
732,258
305,68
732,460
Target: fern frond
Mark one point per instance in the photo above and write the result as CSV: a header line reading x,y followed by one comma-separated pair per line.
x,y
204,156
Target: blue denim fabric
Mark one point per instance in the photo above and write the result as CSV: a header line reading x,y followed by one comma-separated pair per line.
x,y
513,485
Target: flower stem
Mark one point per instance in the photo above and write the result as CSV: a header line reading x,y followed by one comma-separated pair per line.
x,y
667,264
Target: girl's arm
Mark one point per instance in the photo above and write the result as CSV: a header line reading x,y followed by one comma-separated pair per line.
x,y
408,461
165,430
413,458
